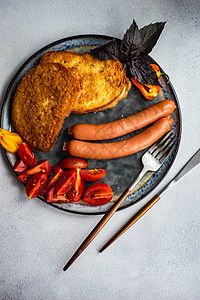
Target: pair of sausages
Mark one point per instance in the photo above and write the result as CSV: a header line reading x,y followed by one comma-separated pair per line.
x,y
158,113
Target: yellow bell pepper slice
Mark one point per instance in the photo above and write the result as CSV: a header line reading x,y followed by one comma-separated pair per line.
x,y
11,141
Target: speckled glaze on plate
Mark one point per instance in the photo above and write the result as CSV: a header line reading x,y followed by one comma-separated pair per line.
x,y
120,171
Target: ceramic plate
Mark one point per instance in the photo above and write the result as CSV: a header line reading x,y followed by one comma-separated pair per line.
x,y
120,171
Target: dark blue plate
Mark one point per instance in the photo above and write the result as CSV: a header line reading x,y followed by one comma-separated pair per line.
x,y
120,171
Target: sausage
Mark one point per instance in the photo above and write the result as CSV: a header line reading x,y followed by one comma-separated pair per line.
x,y
122,148
121,127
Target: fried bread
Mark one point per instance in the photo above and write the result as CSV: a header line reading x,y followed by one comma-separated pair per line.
x,y
43,99
103,83
123,95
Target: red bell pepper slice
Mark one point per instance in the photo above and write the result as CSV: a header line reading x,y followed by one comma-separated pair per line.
x,y
148,91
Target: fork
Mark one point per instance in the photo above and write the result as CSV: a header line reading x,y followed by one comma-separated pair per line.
x,y
152,160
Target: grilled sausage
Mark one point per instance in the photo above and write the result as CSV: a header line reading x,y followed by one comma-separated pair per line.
x,y
122,148
121,127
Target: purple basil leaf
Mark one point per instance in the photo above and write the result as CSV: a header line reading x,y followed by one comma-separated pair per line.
x,y
132,51
143,72
130,39
137,41
147,38
110,50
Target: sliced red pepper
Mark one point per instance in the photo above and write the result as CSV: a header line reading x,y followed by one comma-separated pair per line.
x,y
42,167
77,191
27,155
93,175
72,162
148,91
36,184
157,70
65,182
98,194
20,166
55,174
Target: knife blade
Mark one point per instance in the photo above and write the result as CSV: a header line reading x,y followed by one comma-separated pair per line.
x,y
186,169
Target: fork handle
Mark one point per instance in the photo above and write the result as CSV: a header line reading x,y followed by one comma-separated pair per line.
x,y
97,228
133,220
135,182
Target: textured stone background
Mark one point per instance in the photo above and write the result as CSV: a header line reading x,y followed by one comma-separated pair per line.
x,y
158,258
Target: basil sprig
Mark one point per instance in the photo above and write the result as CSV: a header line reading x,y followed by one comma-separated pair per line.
x,y
132,51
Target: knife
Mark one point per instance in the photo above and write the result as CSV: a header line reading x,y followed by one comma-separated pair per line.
x,y
187,168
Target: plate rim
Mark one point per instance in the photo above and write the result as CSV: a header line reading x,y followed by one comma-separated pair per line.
x,y
108,38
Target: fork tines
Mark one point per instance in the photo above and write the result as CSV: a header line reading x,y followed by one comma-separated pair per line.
x,y
163,146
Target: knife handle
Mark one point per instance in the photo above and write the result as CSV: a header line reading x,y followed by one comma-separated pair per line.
x,y
133,220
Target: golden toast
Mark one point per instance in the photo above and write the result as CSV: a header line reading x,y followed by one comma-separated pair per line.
x,y
43,99
103,83
123,95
